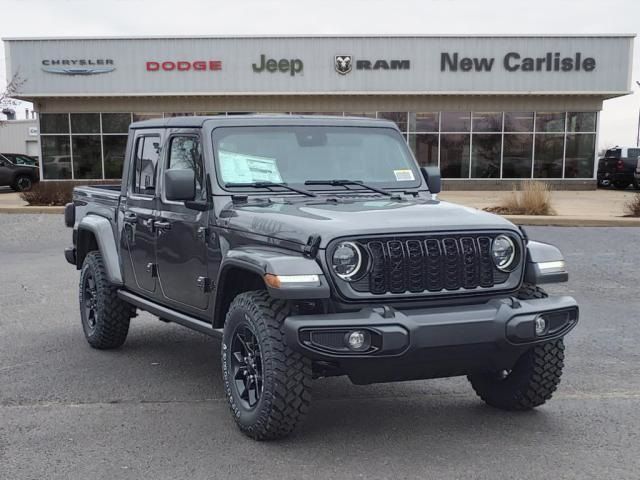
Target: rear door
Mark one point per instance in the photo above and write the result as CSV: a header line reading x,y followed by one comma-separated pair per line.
x,y
181,248
138,233
5,172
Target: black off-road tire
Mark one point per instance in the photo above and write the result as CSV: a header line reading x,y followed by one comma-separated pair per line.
x,y
286,386
22,183
534,377
109,325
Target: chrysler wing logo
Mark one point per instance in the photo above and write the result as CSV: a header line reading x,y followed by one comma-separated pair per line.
x,y
343,64
78,66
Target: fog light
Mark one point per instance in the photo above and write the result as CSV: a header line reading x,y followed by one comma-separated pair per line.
x,y
541,326
357,340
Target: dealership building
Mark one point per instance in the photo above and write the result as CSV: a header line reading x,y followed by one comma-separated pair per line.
x,y
488,110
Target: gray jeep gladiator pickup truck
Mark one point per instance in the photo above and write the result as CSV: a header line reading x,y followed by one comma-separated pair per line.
x,y
313,247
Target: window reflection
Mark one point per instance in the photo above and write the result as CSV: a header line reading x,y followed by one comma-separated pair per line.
x,y
87,156
454,155
487,122
579,156
485,155
518,121
425,148
517,156
581,122
550,122
548,156
56,156
424,122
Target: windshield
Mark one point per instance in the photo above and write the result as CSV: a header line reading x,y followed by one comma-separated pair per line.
x,y
295,155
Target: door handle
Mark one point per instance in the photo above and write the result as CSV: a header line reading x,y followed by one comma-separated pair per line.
x,y
130,217
160,225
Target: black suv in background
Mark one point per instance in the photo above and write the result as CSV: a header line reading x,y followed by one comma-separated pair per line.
x,y
618,166
18,171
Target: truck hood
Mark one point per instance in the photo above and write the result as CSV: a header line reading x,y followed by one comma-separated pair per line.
x,y
296,221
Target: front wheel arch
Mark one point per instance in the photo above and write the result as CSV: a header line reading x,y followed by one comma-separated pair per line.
x,y
232,281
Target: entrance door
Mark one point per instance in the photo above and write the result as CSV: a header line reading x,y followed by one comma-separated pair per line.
x,y
181,248
137,227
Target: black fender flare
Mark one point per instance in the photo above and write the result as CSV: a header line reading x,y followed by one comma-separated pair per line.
x,y
102,231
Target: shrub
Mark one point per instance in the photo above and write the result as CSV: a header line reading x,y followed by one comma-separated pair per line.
x,y
534,198
632,207
54,193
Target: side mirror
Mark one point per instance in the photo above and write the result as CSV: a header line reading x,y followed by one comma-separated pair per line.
x,y
180,184
432,177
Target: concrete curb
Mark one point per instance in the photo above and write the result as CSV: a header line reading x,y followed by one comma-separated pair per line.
x,y
26,209
549,221
566,221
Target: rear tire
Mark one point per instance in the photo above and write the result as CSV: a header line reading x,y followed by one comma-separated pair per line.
x,y
621,185
267,384
22,183
105,317
534,377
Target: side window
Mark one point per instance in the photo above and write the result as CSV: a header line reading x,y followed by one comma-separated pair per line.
x,y
185,153
633,153
147,152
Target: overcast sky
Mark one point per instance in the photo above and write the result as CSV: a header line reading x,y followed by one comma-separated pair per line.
x,y
44,18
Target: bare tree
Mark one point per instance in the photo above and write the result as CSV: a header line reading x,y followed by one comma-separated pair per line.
x,y
12,88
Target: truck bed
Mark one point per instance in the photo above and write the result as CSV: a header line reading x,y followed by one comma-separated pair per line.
x,y
100,200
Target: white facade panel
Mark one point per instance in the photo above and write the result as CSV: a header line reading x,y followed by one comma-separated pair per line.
x,y
417,65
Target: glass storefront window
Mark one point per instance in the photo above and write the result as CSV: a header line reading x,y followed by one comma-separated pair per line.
x,y
455,121
139,117
486,122
360,114
581,122
579,156
85,123
485,155
87,156
547,161
400,118
56,156
550,122
54,123
424,122
178,114
454,155
114,150
425,148
517,155
115,122
518,121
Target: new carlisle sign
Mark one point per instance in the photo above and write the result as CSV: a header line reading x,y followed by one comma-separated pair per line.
x,y
514,62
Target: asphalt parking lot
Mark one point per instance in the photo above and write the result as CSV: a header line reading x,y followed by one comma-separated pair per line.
x,y
155,408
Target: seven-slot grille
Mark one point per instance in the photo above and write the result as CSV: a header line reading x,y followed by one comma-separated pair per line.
x,y
432,264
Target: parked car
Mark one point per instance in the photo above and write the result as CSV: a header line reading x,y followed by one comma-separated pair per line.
x,y
17,172
618,167
314,247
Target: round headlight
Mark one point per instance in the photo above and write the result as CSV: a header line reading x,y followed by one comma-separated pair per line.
x,y
503,251
346,260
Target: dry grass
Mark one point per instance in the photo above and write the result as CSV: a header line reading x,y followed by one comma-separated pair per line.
x,y
534,198
54,193
632,207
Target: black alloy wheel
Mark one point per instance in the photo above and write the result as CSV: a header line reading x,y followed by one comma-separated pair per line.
x,y
90,303
23,184
246,366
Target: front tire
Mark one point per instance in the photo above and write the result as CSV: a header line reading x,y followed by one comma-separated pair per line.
x,y
621,185
105,317
267,384
534,377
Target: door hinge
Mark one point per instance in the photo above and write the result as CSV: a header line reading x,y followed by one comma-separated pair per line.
x,y
203,234
205,284
152,268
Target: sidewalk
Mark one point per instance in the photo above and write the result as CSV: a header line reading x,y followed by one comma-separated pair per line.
x,y
591,208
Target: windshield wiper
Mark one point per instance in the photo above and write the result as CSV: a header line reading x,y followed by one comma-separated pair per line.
x,y
343,183
269,185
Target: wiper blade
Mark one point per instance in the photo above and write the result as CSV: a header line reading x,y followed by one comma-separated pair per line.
x,y
269,185
343,183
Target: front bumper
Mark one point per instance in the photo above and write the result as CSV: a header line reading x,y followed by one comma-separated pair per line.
x,y
430,342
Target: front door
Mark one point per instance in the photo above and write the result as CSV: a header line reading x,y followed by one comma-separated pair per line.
x,y
181,248
138,232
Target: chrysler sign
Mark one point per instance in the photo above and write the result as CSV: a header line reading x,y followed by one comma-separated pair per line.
x,y
78,66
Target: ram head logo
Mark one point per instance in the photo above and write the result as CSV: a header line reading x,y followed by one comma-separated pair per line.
x,y
343,64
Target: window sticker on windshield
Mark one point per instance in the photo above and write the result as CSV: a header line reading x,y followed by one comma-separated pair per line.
x,y
240,168
405,175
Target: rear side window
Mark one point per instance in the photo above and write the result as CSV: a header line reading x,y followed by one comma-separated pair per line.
x,y
613,153
147,152
185,153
